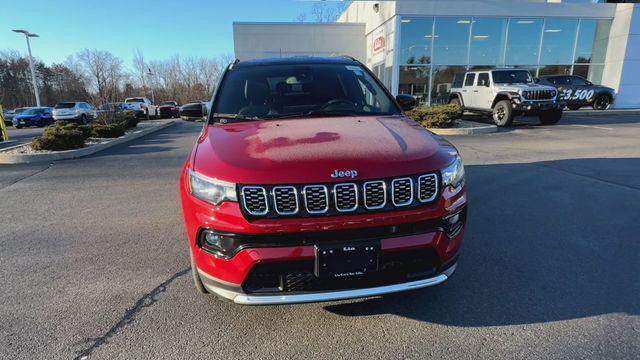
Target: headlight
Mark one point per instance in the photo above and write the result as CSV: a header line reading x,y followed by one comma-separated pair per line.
x,y
453,174
211,190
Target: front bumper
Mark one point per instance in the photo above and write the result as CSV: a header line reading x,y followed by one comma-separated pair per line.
x,y
66,117
529,105
246,299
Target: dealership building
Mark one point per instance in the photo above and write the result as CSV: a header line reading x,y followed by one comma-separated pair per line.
x,y
416,46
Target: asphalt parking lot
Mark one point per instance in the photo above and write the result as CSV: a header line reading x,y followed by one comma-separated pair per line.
x,y
94,264
19,136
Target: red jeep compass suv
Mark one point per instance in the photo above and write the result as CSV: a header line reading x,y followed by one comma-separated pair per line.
x,y
307,183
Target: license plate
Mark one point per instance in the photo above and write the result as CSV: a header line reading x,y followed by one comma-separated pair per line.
x,y
346,260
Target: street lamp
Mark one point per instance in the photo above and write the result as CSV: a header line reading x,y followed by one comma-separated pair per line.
x,y
150,74
27,35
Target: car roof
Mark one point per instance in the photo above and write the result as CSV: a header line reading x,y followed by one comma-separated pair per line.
x,y
295,60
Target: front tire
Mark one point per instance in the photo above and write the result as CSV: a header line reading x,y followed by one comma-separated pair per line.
x,y
503,113
83,119
550,117
602,102
197,282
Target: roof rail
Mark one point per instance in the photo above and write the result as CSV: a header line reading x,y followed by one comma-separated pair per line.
x,y
235,61
348,57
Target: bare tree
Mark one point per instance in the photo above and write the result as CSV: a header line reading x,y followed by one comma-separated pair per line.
x,y
324,12
104,72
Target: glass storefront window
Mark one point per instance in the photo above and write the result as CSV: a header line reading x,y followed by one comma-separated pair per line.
x,y
558,41
524,41
555,70
593,38
414,80
592,73
451,40
443,82
415,40
487,41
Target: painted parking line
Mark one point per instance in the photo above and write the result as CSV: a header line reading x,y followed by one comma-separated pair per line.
x,y
591,126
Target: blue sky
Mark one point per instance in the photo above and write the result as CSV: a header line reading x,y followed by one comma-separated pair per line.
x,y
159,28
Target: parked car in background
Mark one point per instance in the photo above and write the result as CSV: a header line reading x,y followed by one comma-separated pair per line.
x,y
7,115
142,106
168,109
113,107
75,111
577,91
505,93
10,114
194,111
35,116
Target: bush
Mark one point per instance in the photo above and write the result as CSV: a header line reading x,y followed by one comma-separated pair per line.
x,y
107,131
127,119
85,130
437,116
63,136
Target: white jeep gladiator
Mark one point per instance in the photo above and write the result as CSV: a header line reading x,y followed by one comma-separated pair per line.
x,y
505,93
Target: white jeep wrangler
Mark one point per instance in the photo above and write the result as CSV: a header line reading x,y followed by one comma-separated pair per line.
x,y
505,93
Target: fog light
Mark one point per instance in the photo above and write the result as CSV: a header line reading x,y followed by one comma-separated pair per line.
x,y
452,220
453,224
217,243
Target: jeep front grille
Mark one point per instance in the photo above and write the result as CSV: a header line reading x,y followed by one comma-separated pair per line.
x,y
254,199
358,197
539,94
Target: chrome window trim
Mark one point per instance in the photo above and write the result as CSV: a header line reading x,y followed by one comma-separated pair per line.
x,y
335,197
364,194
435,193
264,194
306,206
275,202
393,195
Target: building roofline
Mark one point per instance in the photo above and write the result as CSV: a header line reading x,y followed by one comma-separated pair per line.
x,y
297,23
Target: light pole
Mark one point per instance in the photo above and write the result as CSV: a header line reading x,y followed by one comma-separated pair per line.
x,y
27,35
153,97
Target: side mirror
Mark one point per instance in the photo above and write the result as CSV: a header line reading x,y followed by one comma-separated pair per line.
x,y
406,101
192,111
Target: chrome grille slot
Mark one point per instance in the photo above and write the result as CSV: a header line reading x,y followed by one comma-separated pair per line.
x,y
375,194
316,199
427,187
346,197
285,200
254,199
402,191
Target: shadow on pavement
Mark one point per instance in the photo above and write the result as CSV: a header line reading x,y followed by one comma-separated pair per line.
x,y
145,301
554,241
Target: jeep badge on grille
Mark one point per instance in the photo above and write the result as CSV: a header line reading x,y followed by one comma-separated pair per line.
x,y
344,174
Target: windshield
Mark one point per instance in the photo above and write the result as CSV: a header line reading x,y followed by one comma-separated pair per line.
x,y
33,111
273,91
134,100
67,105
168,103
512,77
20,110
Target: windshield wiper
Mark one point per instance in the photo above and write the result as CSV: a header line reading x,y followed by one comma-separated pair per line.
x,y
235,117
315,113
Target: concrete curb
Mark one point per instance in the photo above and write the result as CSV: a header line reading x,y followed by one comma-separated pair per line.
x,y
475,129
76,153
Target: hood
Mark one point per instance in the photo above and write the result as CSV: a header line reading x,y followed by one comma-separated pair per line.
x,y
26,116
521,87
310,150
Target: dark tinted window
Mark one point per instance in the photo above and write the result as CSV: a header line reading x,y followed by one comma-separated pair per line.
x,y
457,80
270,91
575,80
469,79
134,100
66,105
511,77
483,77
